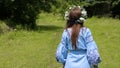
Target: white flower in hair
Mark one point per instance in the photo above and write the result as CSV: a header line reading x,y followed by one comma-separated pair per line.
x,y
66,15
82,19
84,13
70,7
79,6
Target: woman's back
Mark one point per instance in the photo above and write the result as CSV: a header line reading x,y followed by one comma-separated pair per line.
x,y
80,43
77,48
76,58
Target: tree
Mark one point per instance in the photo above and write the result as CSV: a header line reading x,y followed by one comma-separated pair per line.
x,y
23,12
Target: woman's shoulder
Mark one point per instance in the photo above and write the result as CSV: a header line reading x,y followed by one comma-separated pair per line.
x,y
67,30
85,31
64,32
85,28
88,30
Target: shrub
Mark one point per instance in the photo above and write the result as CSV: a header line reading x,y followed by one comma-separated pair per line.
x,y
20,12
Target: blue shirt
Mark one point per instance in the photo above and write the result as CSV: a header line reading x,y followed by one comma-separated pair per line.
x,y
84,56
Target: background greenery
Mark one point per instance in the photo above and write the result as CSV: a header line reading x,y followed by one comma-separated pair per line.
x,y
23,13
36,48
30,31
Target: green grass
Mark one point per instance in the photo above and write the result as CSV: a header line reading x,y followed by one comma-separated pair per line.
x,y
3,27
107,35
36,48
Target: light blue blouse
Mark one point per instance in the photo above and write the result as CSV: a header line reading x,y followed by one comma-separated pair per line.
x,y
86,54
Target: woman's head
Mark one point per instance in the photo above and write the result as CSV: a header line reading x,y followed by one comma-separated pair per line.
x,y
75,22
74,17
74,14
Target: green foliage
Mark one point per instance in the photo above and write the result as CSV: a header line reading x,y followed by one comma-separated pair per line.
x,y
3,28
98,8
21,12
24,12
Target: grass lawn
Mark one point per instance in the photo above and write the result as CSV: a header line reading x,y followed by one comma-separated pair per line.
x,y
36,48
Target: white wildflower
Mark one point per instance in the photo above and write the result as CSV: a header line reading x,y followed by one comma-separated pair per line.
x,y
84,13
66,15
70,7
82,19
79,7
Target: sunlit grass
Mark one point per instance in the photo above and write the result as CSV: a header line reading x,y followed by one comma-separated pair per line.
x,y
36,48
107,35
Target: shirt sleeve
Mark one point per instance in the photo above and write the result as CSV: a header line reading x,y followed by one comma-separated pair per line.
x,y
61,53
92,50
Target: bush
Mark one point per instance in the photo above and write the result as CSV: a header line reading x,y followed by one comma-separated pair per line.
x,y
99,9
20,12
4,28
116,11
24,12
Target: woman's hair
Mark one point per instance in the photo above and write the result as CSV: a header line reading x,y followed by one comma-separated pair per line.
x,y
73,16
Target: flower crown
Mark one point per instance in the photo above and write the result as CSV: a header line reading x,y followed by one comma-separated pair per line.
x,y
83,12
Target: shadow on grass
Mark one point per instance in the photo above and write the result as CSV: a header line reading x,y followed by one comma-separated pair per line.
x,y
47,28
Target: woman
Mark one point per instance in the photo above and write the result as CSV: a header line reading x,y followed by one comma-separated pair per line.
x,y
77,48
